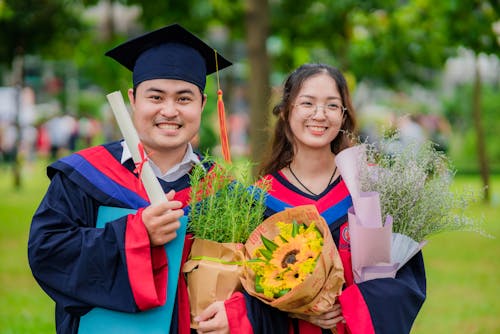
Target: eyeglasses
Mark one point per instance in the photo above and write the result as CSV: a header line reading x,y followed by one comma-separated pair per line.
x,y
310,109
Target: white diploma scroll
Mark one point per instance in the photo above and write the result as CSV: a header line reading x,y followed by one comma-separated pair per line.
x,y
151,184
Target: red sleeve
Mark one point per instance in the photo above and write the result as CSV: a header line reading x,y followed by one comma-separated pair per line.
x,y
147,267
355,311
236,311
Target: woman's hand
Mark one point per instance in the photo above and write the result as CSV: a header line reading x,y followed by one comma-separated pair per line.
x,y
326,320
213,319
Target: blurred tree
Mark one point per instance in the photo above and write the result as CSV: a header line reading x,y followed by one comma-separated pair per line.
x,y
475,31
217,21
34,27
388,42
412,42
257,31
50,27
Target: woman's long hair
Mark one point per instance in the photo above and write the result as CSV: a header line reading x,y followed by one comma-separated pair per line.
x,y
281,151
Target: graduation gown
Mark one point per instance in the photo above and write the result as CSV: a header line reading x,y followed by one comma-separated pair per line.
x,y
382,306
80,266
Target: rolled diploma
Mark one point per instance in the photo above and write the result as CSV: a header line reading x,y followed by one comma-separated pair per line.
x,y
151,184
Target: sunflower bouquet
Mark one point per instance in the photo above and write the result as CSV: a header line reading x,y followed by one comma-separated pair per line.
x,y
292,262
283,263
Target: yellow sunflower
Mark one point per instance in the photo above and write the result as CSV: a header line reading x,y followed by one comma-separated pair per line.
x,y
292,277
285,229
285,261
307,253
286,254
306,268
272,283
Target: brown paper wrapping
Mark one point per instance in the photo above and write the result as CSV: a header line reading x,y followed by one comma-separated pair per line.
x,y
318,292
214,277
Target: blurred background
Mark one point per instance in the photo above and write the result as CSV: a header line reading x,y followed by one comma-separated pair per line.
x,y
428,69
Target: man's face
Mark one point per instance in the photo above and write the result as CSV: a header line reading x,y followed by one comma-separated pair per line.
x,y
166,113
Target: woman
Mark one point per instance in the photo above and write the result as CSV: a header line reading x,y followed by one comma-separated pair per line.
x,y
315,122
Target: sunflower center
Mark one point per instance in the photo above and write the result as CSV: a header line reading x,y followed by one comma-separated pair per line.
x,y
289,258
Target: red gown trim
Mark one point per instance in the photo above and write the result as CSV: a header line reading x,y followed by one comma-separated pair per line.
x,y
355,311
149,276
99,157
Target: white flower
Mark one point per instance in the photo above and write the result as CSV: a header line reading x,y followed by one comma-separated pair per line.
x,y
414,183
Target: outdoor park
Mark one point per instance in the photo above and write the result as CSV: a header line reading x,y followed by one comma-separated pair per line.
x,y
411,68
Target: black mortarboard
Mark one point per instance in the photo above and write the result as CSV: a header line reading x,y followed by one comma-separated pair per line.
x,y
171,52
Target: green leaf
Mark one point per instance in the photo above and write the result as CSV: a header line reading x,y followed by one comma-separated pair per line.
x,y
282,238
266,253
295,228
258,286
282,293
270,245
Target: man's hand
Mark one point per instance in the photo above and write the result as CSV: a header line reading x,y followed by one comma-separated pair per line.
x,y
213,319
162,220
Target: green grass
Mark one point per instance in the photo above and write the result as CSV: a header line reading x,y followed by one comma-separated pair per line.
x,y
463,272
25,307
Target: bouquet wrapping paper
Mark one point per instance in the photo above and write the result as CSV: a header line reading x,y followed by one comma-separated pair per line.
x,y
213,273
318,292
376,251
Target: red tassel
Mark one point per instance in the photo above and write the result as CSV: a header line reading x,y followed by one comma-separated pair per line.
x,y
222,125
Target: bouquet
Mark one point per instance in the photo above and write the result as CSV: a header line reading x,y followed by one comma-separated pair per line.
x,y
292,262
410,186
225,208
414,183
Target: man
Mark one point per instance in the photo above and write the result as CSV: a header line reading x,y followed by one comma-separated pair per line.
x,y
123,266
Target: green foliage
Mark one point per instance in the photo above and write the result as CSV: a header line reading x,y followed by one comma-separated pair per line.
x,y
225,204
90,104
472,24
458,109
51,27
208,138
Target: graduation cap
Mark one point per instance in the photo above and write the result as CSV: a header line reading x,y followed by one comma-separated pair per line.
x,y
171,52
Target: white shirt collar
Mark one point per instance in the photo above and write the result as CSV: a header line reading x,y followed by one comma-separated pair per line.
x,y
174,173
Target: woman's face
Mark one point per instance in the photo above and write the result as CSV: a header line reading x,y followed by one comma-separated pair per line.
x,y
317,113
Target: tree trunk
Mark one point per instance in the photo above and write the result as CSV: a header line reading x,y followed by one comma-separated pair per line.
x,y
17,82
257,30
478,125
108,31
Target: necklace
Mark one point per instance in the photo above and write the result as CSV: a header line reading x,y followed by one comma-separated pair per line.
x,y
303,186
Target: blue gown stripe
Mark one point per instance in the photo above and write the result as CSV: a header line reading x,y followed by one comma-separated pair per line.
x,y
103,182
331,214
335,212
275,204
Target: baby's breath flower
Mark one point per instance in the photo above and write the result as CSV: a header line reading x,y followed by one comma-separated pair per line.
x,y
414,183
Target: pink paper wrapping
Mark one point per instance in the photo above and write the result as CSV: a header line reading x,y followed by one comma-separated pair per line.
x,y
371,240
370,244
